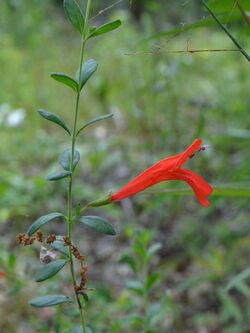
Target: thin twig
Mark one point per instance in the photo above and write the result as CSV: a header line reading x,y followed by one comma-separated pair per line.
x,y
182,51
241,49
243,13
102,11
231,13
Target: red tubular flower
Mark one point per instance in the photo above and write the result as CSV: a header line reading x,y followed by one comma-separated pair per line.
x,y
2,274
169,169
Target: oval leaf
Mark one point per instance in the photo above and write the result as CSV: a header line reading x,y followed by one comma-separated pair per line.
x,y
98,224
41,221
74,14
238,279
151,280
65,79
88,69
95,120
50,270
57,175
136,286
105,28
59,246
153,249
54,118
50,300
65,159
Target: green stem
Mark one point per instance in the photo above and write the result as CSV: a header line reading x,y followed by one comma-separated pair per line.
x,y
241,49
70,184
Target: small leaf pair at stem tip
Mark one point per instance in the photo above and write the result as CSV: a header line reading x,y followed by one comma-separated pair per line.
x,y
65,162
88,69
77,18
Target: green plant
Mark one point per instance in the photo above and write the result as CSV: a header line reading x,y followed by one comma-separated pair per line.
x,y
146,311
68,161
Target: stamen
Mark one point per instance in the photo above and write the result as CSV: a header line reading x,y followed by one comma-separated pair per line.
x,y
202,148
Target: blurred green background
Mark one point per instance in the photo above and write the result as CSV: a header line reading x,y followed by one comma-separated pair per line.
x,y
161,101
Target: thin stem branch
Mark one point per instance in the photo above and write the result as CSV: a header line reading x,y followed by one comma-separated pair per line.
x,y
243,13
102,11
70,184
181,51
246,55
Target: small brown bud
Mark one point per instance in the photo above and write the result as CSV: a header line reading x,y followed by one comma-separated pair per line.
x,y
67,241
84,270
19,238
51,238
76,253
39,236
77,288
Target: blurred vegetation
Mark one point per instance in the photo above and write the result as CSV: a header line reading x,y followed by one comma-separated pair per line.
x,y
161,101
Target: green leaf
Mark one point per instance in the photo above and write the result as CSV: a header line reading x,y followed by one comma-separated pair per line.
x,y
74,14
88,69
50,300
153,249
129,260
238,278
65,159
65,79
78,209
85,296
151,280
58,245
54,118
50,270
98,224
41,221
136,286
227,5
57,175
107,27
243,288
231,307
93,121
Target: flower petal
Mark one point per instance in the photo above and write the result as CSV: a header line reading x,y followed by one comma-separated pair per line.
x,y
187,153
200,187
138,184
147,178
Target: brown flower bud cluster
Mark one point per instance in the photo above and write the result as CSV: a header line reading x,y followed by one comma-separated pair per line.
x,y
25,240
76,253
84,279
